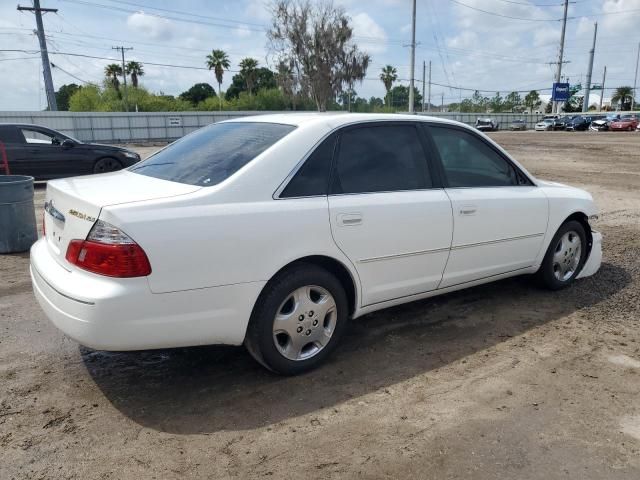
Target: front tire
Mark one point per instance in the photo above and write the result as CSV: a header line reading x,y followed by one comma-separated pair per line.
x,y
107,164
298,320
565,256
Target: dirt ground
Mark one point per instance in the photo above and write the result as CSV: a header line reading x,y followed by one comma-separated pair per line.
x,y
499,381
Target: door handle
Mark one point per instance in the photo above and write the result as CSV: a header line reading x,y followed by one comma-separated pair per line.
x,y
468,210
349,219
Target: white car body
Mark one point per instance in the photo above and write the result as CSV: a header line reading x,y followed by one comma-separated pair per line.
x,y
213,249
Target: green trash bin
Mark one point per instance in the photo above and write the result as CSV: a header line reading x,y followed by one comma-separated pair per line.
x,y
18,230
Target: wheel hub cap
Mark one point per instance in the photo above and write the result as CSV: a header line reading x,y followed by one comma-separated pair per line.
x,y
304,322
566,257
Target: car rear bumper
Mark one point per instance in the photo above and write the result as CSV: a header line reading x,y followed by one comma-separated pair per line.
x,y
123,314
592,265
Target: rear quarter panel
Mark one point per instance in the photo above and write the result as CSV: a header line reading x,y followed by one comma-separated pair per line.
x,y
198,246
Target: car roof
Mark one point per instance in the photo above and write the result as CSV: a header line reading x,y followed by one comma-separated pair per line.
x,y
337,119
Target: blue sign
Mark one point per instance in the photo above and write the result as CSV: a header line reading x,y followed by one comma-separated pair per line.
x,y
561,92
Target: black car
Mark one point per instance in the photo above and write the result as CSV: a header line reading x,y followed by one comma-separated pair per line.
x,y
562,122
45,154
578,123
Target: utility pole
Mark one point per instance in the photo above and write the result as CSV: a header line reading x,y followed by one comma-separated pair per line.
x,y
424,68
46,67
429,90
124,74
560,59
635,79
604,77
587,91
413,57
442,103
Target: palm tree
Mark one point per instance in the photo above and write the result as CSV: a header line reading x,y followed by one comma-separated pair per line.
x,y
135,70
388,76
621,95
112,71
218,61
248,68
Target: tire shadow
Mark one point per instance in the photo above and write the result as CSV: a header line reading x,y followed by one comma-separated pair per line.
x,y
208,389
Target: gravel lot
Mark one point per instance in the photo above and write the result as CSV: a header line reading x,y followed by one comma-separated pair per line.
x,y
500,381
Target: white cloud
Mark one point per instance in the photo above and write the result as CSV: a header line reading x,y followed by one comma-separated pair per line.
x,y
242,31
365,26
153,27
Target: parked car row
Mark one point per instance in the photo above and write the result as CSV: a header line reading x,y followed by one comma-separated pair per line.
x,y
599,123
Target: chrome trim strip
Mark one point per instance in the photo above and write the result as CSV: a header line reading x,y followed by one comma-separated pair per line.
x,y
58,291
53,211
402,255
438,250
492,242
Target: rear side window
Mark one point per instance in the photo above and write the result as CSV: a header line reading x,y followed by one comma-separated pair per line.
x,y
470,162
212,154
380,159
312,179
10,135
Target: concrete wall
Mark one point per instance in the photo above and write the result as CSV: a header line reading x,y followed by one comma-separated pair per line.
x,y
123,127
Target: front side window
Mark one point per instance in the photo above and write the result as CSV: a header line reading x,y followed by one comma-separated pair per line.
x,y
312,179
380,159
470,162
212,154
37,137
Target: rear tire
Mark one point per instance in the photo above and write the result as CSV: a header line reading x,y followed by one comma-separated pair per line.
x,y
107,164
565,256
298,320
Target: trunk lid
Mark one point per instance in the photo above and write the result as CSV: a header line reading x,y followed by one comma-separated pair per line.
x,y
72,205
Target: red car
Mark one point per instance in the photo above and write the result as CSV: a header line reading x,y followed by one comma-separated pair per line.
x,y
626,122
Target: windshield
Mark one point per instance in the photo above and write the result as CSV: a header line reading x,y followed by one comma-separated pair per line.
x,y
627,117
212,154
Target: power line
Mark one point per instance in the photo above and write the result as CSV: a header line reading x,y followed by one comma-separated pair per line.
x,y
504,16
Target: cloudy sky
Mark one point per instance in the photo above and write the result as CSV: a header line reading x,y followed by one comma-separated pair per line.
x,y
487,45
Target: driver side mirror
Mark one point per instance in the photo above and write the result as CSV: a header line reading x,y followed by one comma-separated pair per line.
x,y
66,144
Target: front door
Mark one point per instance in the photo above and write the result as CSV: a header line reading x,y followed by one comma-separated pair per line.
x,y
43,155
499,216
387,215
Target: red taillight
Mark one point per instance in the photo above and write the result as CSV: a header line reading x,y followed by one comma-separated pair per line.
x,y
44,227
113,260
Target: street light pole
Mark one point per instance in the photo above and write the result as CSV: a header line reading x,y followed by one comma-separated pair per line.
x,y
413,57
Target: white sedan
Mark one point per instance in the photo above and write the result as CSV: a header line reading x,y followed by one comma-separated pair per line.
x,y
274,230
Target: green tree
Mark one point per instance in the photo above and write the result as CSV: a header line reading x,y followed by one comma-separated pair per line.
x,y
388,76
248,68
135,70
400,96
85,99
112,71
287,81
197,93
264,79
512,101
63,95
532,100
622,96
496,104
218,61
317,40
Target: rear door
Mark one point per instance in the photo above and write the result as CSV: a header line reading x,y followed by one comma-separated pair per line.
x,y
387,212
499,215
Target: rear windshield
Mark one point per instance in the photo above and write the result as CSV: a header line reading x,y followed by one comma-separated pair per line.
x,y
212,154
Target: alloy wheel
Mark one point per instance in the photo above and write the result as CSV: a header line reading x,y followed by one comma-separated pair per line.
x,y
304,322
567,255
